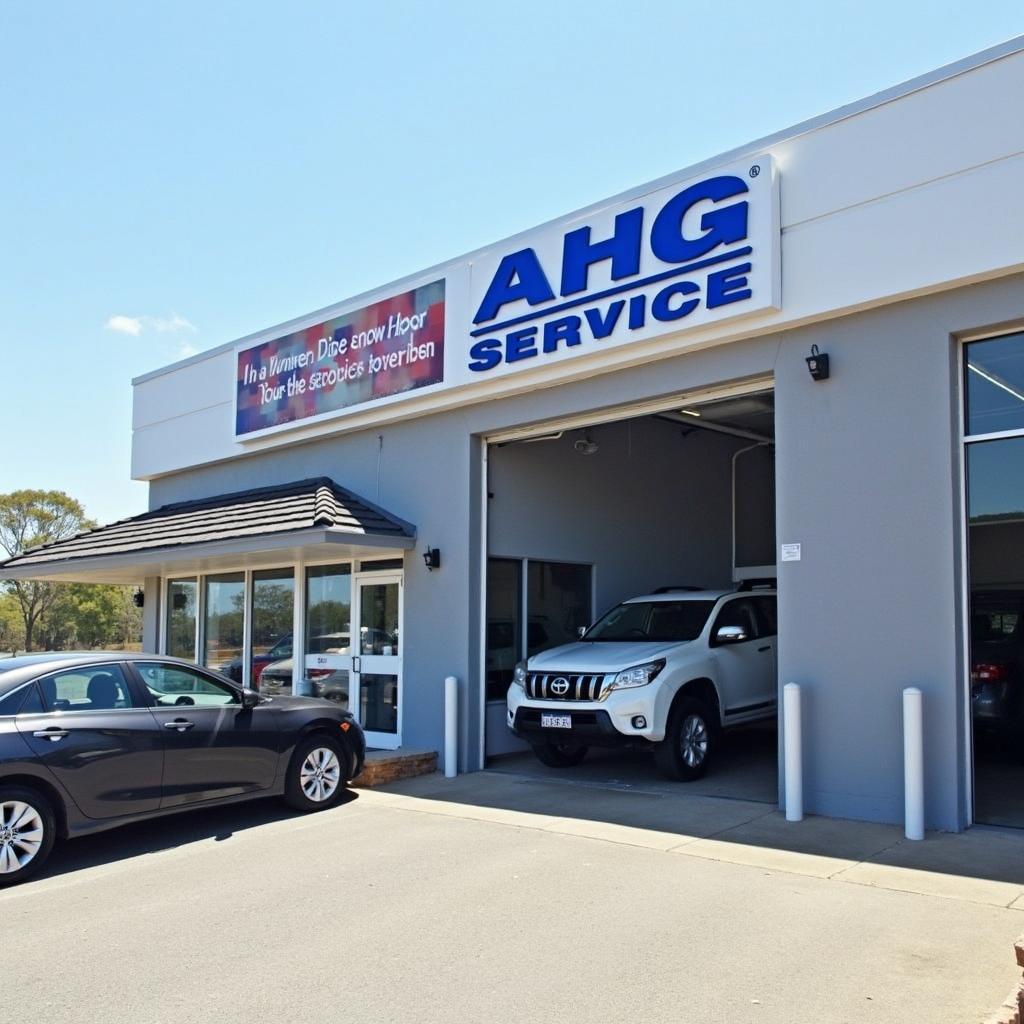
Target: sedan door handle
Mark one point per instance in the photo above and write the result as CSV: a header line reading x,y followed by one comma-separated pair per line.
x,y
181,724
53,734
761,650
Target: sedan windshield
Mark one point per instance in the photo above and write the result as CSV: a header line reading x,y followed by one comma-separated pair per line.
x,y
668,621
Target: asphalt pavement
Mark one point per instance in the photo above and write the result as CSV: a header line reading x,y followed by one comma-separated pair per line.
x,y
507,899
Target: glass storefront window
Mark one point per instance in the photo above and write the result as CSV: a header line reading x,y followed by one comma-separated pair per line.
x,y
558,602
182,607
504,626
328,609
378,626
224,619
994,385
328,632
273,608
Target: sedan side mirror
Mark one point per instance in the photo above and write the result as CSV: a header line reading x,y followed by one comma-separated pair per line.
x,y
731,635
250,698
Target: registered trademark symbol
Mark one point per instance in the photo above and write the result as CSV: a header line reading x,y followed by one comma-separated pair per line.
x,y
755,170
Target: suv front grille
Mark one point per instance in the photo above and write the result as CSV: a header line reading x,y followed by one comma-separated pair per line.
x,y
563,686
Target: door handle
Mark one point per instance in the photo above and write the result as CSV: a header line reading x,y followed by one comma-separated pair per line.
x,y
356,664
181,724
761,650
53,734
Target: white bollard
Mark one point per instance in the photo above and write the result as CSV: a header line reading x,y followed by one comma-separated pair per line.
x,y
451,727
793,754
913,762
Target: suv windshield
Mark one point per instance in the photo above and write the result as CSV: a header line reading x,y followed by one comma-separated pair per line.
x,y
652,620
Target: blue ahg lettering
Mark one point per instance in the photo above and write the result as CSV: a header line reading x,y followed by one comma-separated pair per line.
x,y
579,253
520,276
722,225
672,302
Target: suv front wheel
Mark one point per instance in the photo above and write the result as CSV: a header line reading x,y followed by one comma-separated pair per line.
x,y
691,739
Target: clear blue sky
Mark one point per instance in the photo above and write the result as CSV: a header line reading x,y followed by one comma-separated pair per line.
x,y
174,176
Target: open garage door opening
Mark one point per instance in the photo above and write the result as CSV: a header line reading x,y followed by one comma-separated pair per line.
x,y
654,536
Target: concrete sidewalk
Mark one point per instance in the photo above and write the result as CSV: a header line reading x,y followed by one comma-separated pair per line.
x,y
498,900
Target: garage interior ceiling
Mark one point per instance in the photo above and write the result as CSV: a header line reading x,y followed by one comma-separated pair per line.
x,y
749,416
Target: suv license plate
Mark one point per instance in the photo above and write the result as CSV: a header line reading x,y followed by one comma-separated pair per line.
x,y
555,721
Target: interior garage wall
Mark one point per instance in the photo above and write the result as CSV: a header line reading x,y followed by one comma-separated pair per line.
x,y
652,507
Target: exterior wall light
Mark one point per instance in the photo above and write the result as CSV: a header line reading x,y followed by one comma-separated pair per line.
x,y
432,558
817,363
139,598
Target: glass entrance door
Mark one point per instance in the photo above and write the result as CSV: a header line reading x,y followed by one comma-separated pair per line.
x,y
377,658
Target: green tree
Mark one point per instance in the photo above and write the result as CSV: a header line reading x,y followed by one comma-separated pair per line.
x,y
12,627
29,518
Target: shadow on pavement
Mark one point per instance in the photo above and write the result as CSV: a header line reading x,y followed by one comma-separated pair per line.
x,y
620,797
166,833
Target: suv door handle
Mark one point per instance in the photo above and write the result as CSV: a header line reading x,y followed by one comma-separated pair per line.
x,y
181,724
52,734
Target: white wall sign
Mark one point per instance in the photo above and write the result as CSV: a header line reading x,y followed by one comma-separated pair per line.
x,y
689,254
790,553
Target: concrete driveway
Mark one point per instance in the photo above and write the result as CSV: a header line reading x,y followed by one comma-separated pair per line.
x,y
502,898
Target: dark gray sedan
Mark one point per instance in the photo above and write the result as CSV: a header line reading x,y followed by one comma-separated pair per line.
x,y
92,741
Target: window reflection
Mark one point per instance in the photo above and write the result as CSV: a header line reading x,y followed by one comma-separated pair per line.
x,y
994,384
182,598
328,609
273,607
378,627
225,613
328,632
995,483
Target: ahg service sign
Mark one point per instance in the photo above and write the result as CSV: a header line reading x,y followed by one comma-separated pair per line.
x,y
689,254
378,351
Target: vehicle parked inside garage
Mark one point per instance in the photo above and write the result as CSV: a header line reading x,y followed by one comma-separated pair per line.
x,y
92,741
668,671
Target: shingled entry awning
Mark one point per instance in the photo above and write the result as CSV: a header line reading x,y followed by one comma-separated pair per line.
x,y
268,526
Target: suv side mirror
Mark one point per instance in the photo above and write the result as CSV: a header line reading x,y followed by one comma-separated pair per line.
x,y
731,635
581,631
250,698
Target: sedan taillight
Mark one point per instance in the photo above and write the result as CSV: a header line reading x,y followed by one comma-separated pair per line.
x,y
989,672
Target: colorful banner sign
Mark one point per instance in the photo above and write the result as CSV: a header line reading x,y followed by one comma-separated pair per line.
x,y
386,349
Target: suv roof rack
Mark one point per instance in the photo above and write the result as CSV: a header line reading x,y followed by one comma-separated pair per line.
x,y
669,590
764,583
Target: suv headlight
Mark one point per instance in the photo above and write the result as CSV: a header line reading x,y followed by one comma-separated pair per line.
x,y
639,675
519,675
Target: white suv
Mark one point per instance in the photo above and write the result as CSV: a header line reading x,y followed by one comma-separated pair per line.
x,y
669,670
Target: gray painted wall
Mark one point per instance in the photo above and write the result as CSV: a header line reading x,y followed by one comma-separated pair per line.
x,y
868,482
